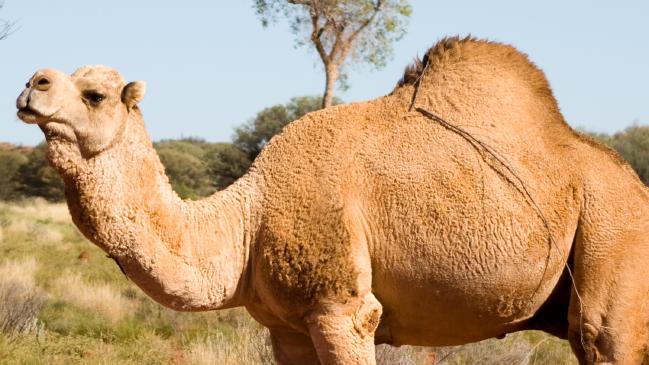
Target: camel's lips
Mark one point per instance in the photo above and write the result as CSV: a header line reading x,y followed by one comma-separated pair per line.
x,y
31,116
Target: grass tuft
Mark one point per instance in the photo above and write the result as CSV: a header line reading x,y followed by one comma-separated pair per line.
x,y
100,299
250,345
20,300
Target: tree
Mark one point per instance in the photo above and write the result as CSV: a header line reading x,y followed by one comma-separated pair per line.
x,y
633,144
226,163
37,178
10,163
5,26
342,31
185,165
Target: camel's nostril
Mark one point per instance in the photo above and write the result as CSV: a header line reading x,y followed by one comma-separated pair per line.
x,y
43,83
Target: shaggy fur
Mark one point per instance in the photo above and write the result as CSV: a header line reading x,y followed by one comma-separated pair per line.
x,y
371,222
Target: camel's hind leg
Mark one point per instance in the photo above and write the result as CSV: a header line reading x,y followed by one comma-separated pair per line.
x,y
612,338
344,333
608,318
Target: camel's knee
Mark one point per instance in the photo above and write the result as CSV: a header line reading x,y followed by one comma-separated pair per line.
x,y
344,334
603,345
583,340
367,316
362,316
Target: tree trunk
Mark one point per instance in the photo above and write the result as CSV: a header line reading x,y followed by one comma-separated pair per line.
x,y
331,76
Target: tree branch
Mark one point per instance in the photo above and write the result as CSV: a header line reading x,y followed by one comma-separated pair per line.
x,y
368,21
352,37
316,33
6,27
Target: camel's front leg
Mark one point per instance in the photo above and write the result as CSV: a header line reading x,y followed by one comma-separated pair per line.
x,y
344,333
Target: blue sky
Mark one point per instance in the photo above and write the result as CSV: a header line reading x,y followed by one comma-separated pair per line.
x,y
211,67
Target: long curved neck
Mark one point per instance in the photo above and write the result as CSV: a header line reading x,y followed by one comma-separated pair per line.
x,y
187,255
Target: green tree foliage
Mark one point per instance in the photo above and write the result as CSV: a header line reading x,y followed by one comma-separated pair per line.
x,y
10,163
633,144
185,165
226,163
37,178
197,168
342,32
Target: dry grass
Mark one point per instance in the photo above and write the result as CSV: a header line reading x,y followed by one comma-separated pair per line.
x,y
524,348
20,226
101,299
40,210
250,345
36,219
20,299
404,355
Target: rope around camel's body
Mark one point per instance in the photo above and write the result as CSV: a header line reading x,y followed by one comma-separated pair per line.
x,y
485,150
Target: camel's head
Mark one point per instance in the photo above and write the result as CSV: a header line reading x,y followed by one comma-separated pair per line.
x,y
88,108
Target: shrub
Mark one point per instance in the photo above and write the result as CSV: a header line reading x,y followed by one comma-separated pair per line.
x,y
633,144
10,163
184,162
20,299
37,178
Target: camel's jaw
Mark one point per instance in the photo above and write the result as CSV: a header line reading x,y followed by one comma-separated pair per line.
x,y
51,127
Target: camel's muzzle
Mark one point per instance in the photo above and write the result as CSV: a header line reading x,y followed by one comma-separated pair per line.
x,y
30,116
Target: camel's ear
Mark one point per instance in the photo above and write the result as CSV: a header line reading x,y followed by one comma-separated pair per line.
x,y
133,93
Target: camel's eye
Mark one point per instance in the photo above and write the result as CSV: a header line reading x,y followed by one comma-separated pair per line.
x,y
93,97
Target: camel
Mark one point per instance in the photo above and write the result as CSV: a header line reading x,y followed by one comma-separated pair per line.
x,y
458,207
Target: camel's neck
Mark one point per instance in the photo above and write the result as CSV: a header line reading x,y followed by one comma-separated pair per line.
x,y
188,255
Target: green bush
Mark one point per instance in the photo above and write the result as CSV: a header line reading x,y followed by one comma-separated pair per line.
x,y
36,178
253,136
184,162
10,163
633,144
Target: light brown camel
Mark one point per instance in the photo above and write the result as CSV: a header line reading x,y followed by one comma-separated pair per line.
x,y
375,222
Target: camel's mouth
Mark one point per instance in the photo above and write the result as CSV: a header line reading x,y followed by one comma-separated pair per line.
x,y
33,116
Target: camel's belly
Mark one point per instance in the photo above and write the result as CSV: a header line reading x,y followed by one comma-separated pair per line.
x,y
433,296
429,318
